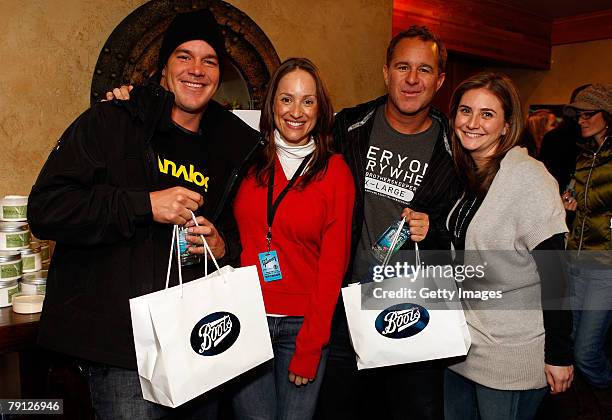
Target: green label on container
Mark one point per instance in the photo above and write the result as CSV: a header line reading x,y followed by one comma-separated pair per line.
x,y
29,263
44,253
12,292
17,240
8,271
14,212
41,289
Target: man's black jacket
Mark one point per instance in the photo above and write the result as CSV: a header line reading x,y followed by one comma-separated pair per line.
x,y
439,189
92,198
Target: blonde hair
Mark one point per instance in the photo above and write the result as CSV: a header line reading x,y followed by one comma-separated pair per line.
x,y
539,123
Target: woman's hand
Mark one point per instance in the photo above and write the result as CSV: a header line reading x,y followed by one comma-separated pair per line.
x,y
569,202
299,380
559,377
213,238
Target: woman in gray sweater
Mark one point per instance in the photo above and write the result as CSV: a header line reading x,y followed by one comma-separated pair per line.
x,y
510,208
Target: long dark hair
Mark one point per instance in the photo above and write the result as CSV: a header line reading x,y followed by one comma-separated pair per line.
x,y
478,180
322,131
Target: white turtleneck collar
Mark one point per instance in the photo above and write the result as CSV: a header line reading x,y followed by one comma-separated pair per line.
x,y
291,156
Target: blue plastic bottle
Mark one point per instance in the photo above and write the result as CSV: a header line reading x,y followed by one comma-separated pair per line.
x,y
383,243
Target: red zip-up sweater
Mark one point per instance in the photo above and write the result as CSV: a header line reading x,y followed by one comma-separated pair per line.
x,y
311,234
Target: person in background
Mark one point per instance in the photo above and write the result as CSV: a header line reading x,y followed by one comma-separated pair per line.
x,y
510,204
109,194
559,148
591,265
294,217
538,124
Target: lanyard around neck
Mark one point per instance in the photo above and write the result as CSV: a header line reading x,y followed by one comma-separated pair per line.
x,y
273,205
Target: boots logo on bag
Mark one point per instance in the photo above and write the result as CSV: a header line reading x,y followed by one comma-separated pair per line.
x,y
215,333
401,321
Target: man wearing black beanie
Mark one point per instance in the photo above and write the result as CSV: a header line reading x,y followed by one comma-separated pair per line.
x,y
199,25
109,194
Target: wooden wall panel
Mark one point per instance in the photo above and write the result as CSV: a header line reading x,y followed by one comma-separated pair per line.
x,y
581,28
483,29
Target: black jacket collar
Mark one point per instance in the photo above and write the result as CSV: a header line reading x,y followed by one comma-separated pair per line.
x,y
362,115
152,105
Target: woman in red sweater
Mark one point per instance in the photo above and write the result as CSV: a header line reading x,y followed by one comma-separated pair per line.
x,y
294,213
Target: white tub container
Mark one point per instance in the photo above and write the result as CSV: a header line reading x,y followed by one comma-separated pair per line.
x,y
10,265
45,250
13,208
27,304
7,290
14,236
31,259
34,283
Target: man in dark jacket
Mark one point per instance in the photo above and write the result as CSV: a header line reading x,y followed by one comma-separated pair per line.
x,y
398,151
109,194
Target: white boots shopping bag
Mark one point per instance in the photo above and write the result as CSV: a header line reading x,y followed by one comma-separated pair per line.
x,y
407,329
195,336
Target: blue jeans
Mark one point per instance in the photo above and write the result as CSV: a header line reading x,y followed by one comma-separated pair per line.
x,y
592,305
116,395
466,400
265,392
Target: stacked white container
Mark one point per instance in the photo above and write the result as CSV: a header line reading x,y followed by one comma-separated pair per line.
x,y
31,258
34,283
14,236
45,250
10,273
13,208
21,259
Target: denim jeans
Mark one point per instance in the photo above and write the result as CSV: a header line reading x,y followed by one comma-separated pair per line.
x,y
265,392
410,391
466,400
116,395
592,310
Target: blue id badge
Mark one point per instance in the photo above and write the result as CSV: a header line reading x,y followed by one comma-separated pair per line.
x,y
270,268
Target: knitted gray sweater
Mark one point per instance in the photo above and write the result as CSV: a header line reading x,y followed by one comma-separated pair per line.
x,y
521,209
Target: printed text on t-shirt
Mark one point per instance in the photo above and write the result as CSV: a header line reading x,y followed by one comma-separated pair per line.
x,y
392,175
180,171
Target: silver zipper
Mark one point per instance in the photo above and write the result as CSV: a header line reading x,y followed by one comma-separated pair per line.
x,y
586,191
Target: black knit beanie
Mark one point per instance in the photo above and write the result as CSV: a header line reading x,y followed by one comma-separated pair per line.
x,y
197,25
